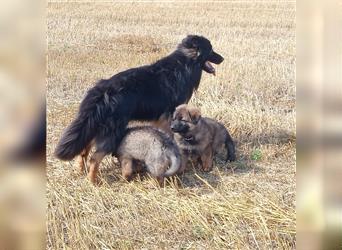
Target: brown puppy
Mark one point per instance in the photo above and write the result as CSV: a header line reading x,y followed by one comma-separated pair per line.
x,y
200,138
150,147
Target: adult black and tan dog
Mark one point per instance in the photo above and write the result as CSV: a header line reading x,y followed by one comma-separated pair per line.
x,y
144,93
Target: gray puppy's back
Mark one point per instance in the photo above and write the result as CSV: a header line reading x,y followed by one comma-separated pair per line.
x,y
149,145
139,141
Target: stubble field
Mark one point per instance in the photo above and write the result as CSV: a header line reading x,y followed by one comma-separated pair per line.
x,y
248,204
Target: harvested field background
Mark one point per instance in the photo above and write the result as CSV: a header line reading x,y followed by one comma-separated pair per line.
x,y
248,204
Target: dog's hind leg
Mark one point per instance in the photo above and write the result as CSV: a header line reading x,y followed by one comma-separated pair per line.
x,y
95,161
160,180
230,147
126,168
106,141
157,169
82,158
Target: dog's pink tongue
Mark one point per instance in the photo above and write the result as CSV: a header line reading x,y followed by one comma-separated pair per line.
x,y
210,68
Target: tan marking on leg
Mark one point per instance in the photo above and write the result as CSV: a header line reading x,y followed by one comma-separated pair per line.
x,y
95,161
82,158
207,159
197,162
127,168
160,180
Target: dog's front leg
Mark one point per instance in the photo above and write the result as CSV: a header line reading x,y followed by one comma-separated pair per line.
x,y
207,159
184,163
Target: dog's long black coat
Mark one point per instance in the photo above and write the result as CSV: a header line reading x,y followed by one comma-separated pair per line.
x,y
143,93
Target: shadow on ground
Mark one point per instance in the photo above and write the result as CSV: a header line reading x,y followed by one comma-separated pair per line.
x,y
195,177
276,138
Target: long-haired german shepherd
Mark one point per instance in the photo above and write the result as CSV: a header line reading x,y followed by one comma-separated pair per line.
x,y
144,93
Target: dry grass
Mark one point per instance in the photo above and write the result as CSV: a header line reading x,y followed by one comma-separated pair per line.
x,y
249,204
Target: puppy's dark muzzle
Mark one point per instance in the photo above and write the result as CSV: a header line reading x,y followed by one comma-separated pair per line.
x,y
215,58
179,128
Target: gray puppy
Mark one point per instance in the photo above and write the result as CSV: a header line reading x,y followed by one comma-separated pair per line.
x,y
152,147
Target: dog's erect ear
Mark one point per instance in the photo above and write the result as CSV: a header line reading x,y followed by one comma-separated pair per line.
x,y
191,42
194,42
192,46
195,115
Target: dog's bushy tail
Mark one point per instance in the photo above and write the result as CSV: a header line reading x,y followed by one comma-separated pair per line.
x,y
83,129
230,147
174,167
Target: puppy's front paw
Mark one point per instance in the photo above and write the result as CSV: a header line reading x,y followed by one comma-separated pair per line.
x,y
207,168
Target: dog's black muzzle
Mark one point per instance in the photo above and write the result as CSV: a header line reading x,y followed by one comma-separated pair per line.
x,y
212,58
215,58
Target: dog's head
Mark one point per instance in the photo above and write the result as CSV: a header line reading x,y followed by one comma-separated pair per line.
x,y
199,48
185,120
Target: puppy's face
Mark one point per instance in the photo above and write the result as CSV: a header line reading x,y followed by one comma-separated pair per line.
x,y
185,119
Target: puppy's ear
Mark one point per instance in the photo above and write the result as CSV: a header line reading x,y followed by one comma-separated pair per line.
x,y
195,115
180,107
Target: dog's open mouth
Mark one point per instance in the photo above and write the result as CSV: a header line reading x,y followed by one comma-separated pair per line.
x,y
209,68
213,58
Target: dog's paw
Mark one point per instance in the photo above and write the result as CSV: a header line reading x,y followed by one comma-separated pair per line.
x,y
207,169
231,157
